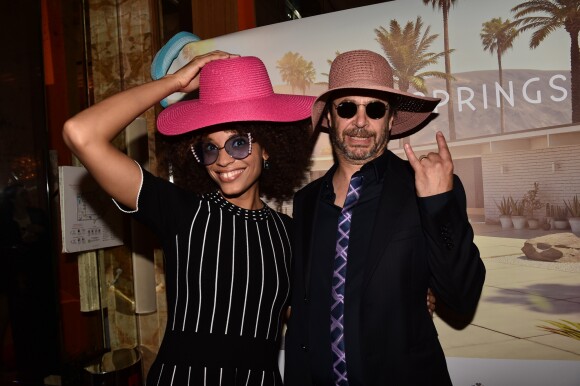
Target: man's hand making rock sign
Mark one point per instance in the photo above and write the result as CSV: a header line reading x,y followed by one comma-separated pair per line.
x,y
433,172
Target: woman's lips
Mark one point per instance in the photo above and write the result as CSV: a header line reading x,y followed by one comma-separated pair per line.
x,y
230,175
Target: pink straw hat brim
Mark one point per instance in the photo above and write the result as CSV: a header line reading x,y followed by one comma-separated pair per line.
x,y
363,70
233,90
412,111
183,117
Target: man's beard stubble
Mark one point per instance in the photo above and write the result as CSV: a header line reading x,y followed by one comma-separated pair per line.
x,y
354,156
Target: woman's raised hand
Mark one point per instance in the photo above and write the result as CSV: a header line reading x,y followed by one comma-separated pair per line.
x,y
187,77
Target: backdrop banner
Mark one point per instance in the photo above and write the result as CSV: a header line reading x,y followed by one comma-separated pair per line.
x,y
504,71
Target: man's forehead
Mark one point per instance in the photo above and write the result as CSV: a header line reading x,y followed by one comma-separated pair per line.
x,y
360,96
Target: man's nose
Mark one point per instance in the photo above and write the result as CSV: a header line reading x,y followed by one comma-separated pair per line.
x,y
361,118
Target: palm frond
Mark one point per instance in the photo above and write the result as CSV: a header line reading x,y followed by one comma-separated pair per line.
x,y
407,50
563,328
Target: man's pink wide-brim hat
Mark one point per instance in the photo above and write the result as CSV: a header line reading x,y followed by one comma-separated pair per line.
x,y
233,90
367,70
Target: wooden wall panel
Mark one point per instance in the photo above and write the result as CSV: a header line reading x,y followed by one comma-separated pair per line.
x,y
214,18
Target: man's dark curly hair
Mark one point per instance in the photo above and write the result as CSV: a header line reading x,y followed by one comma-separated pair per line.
x,y
288,144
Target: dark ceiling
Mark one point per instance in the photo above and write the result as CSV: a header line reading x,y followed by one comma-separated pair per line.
x,y
317,7
270,12
177,13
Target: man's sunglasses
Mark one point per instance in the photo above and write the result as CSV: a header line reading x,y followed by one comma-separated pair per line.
x,y
238,147
348,109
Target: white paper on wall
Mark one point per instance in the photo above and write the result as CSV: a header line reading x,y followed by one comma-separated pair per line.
x,y
89,218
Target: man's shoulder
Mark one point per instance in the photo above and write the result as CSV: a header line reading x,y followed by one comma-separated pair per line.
x,y
395,159
397,164
311,186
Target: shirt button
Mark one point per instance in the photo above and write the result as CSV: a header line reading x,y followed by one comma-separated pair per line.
x,y
304,347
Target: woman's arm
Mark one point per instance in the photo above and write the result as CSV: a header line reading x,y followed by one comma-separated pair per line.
x,y
89,133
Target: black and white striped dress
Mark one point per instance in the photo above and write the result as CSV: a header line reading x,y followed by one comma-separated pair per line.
x,y
227,277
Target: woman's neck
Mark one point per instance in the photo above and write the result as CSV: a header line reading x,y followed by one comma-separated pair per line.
x,y
249,200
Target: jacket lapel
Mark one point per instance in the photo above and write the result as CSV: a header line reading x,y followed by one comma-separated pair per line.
x,y
310,202
389,211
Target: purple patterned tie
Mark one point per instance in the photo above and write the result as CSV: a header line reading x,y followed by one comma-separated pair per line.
x,y
338,283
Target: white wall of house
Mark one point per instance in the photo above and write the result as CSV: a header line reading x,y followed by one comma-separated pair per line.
x,y
513,172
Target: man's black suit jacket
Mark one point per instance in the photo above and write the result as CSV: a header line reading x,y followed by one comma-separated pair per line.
x,y
411,249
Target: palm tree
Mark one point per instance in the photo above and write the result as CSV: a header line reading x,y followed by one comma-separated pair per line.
x,y
406,48
329,61
407,52
296,71
497,36
444,6
557,14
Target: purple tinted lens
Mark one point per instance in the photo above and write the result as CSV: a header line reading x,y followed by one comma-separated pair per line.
x,y
237,147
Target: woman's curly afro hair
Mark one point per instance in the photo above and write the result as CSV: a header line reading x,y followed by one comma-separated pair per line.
x,y
288,144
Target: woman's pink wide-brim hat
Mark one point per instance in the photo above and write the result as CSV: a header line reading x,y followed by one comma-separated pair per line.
x,y
233,90
367,70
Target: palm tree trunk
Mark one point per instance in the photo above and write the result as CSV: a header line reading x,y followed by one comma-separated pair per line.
x,y
450,113
501,116
575,75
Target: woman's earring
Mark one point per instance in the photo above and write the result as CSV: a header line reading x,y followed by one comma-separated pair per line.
x,y
266,165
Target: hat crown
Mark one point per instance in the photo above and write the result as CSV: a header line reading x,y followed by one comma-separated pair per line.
x,y
360,68
234,79
233,90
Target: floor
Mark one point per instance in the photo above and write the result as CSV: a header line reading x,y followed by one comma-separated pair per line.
x,y
519,295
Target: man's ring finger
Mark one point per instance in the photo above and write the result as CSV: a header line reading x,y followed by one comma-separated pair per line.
x,y
421,158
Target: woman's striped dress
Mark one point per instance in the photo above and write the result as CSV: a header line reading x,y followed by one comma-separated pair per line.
x,y
227,277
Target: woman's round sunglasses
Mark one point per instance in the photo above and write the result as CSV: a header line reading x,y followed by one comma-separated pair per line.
x,y
238,147
374,110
